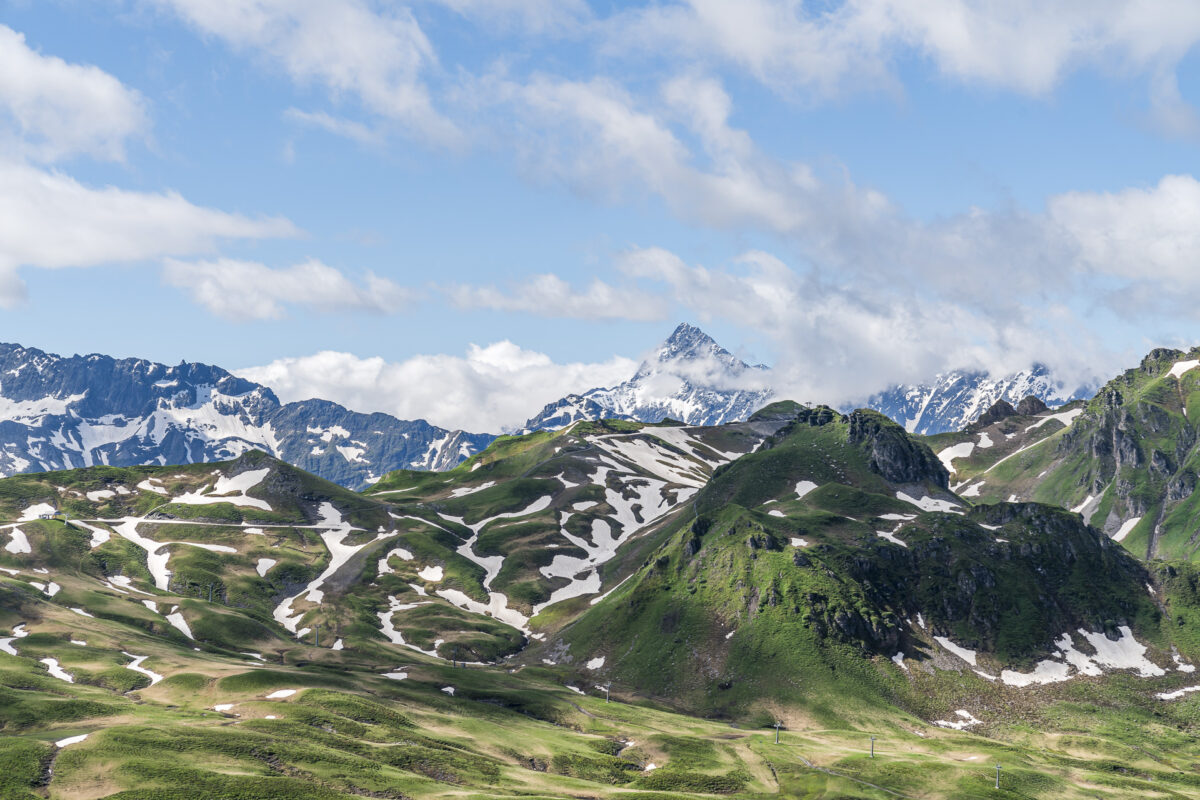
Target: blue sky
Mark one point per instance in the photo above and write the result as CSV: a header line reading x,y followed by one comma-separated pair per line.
x,y
462,209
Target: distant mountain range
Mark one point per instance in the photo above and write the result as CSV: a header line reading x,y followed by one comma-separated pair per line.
x,y
63,413
693,379
955,399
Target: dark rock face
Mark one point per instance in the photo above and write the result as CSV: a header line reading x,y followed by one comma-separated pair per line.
x,y
1001,409
1031,406
63,413
1057,574
893,454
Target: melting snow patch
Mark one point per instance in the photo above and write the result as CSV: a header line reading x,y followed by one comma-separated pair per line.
x,y
338,645
56,671
1180,367
985,441
920,620
972,491
928,503
575,689
1082,505
796,541
463,491
960,450
1178,693
431,574
136,666
448,690
776,513
899,659
148,485
100,494
1180,664
595,663
281,694
398,552
229,490
804,487
19,543
1125,653
37,510
179,622
1125,528
70,740
891,537
650,767
81,612
222,707
964,721
1065,417
961,652
263,565
79,642
396,676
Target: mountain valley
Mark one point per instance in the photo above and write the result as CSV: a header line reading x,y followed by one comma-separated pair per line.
x,y
619,608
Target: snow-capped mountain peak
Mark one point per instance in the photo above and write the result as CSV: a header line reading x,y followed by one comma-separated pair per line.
x,y
689,377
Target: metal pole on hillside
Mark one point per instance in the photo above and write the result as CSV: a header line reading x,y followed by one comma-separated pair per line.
x,y
607,686
997,776
872,747
778,725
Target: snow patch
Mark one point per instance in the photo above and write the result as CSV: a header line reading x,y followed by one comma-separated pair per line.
x,y
928,503
960,450
56,671
263,565
18,543
1126,526
961,652
804,487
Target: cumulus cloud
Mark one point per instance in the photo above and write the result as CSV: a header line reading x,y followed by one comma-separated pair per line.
x,y
836,343
827,49
551,296
50,220
347,46
492,388
246,290
51,109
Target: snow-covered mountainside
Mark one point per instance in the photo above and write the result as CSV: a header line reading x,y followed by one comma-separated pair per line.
x,y
690,378
62,413
956,399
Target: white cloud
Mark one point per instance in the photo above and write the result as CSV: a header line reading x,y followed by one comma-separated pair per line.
x,y
52,109
551,296
245,290
492,388
534,16
825,49
345,45
50,220
335,125
836,343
